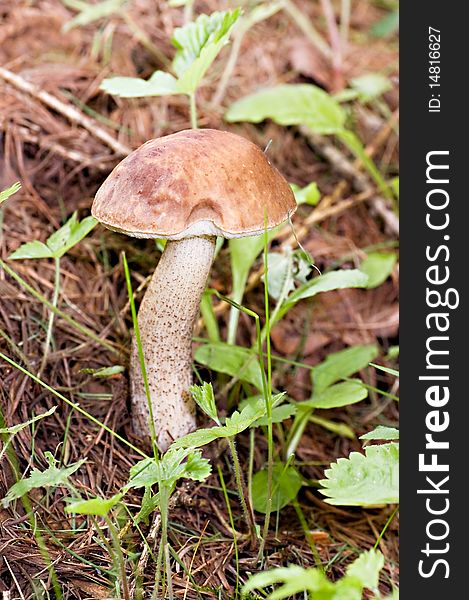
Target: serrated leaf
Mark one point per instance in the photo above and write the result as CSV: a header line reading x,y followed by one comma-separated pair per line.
x,y
309,194
341,365
381,433
53,476
98,507
286,483
238,422
229,359
204,397
291,104
198,44
159,84
93,12
169,468
20,426
366,568
335,396
5,194
34,249
364,479
378,266
191,39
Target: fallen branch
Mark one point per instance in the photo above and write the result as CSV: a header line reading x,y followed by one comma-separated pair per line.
x,y
73,114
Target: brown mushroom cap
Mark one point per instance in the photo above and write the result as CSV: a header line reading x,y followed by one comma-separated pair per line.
x,y
194,182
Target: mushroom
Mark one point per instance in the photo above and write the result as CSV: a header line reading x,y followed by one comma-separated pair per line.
x,y
187,188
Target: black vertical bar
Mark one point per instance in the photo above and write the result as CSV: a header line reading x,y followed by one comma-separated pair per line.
x,y
434,335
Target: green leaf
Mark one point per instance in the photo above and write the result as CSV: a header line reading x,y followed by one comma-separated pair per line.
x,y
370,86
279,415
291,104
243,253
335,280
281,281
51,477
169,468
293,580
238,422
59,242
31,250
205,399
5,194
341,365
366,568
378,266
20,426
225,358
310,194
364,479
104,372
198,43
335,396
286,483
98,507
386,26
159,84
93,12
381,433
339,428
394,183
385,369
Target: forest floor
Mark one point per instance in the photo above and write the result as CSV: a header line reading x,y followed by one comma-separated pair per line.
x,y
61,159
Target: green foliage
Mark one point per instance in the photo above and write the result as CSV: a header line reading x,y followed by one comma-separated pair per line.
x,y
104,372
284,269
364,479
386,369
204,397
232,360
238,422
60,242
386,26
335,396
5,194
286,483
341,365
381,433
334,280
198,43
365,88
99,507
308,105
378,266
177,463
291,104
362,573
91,12
14,429
53,476
309,194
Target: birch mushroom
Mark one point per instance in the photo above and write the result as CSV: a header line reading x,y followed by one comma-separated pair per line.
x,y
187,188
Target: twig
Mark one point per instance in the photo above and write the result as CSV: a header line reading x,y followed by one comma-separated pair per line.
x,y
69,112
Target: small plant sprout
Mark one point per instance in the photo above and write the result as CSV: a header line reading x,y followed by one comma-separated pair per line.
x,y
58,244
197,44
187,188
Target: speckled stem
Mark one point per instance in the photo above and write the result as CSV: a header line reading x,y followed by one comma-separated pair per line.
x,y
166,320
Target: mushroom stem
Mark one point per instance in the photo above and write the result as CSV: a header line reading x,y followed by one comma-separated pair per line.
x,y
166,320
